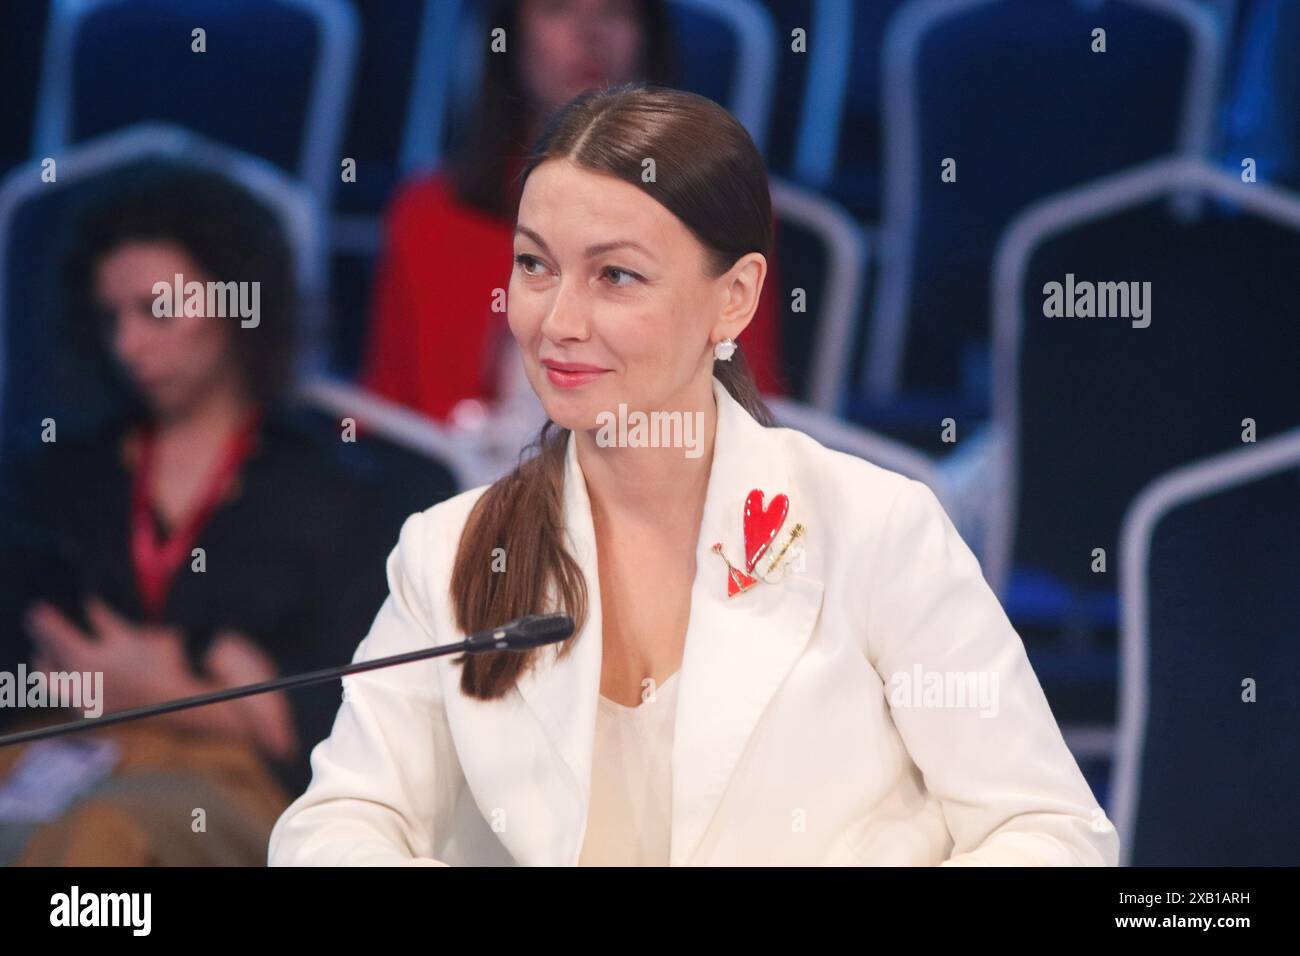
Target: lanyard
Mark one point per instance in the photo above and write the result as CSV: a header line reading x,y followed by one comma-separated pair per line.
x,y
155,561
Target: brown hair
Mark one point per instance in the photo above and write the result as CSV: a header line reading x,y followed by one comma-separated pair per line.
x,y
710,175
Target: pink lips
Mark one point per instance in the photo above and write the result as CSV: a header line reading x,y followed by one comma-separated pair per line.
x,y
572,374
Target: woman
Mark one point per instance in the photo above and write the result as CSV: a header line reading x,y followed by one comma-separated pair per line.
x,y
191,543
779,610
437,342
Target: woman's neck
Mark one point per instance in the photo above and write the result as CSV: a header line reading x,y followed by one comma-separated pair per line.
x,y
210,420
188,444
662,486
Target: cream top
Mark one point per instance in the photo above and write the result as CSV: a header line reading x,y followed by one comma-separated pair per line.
x,y
629,822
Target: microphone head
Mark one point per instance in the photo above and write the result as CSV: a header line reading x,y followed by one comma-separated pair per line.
x,y
524,633
538,629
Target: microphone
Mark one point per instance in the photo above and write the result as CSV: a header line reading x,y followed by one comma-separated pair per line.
x,y
521,634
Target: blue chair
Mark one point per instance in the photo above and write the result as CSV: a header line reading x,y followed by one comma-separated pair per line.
x,y
1011,90
728,53
1092,409
274,81
821,250
388,51
38,376
826,118
20,67
1209,581
1262,117
414,58
420,59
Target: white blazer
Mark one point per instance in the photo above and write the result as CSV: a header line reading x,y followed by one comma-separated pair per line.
x,y
795,740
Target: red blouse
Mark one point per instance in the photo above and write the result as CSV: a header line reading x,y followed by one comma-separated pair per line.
x,y
433,337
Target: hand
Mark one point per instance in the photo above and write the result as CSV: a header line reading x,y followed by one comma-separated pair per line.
x,y
141,663
147,664
233,661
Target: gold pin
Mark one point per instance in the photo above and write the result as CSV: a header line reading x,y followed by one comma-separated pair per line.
x,y
795,533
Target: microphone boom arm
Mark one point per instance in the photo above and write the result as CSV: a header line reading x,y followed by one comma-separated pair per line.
x,y
556,627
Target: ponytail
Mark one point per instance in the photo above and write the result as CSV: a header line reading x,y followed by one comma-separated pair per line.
x,y
523,514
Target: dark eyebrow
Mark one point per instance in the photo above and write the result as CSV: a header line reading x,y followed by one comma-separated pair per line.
x,y
591,251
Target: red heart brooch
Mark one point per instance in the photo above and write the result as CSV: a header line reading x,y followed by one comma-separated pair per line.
x,y
762,524
761,528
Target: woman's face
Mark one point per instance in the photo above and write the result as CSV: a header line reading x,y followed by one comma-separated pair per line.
x,y
609,300
574,45
174,361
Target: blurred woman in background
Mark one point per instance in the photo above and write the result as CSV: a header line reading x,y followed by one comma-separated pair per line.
x,y
203,539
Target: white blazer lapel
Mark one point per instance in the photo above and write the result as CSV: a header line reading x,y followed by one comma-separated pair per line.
x,y
527,757
535,759
738,649
562,691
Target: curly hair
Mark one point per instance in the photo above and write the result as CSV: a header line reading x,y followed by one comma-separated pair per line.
x,y
226,231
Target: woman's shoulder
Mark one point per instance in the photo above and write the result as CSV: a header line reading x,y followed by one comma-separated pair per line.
x,y
858,500
450,514
819,467
431,537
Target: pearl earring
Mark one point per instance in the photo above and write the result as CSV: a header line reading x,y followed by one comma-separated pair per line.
x,y
723,350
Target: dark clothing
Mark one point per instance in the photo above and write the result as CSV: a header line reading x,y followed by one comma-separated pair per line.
x,y
295,555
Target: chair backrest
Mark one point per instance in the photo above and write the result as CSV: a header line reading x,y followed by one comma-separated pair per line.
x,y
741,32
1011,91
391,75
1210,642
824,252
447,69
826,126
37,377
1260,112
274,80
837,434
20,69
397,425
1094,408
